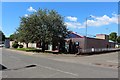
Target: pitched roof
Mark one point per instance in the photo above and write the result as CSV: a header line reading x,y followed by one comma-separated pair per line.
x,y
74,35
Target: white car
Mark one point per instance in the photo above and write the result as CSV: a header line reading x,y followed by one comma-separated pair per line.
x,y
2,45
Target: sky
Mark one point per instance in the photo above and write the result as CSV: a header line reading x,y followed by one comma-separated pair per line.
x,y
102,17
60,0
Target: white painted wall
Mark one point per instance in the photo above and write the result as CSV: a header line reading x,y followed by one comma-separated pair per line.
x,y
24,45
50,47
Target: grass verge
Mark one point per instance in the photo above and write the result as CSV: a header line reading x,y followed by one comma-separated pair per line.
x,y
29,49
37,50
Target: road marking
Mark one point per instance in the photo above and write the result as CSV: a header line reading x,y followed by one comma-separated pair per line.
x,y
58,70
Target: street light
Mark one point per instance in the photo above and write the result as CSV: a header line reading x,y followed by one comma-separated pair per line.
x,y
85,44
86,24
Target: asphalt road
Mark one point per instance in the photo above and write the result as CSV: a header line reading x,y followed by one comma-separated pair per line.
x,y
16,63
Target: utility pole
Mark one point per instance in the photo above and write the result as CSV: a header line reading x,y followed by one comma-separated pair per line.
x,y
85,46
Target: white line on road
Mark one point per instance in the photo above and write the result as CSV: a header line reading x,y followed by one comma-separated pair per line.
x,y
58,70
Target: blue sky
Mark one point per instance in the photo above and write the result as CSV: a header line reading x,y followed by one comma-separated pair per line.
x,y
103,18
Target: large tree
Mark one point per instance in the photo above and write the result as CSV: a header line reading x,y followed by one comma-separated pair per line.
x,y
45,26
113,36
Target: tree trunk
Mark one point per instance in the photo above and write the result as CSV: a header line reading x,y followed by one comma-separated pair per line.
x,y
70,46
43,46
26,45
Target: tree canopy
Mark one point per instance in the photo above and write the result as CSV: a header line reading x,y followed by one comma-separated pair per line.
x,y
113,36
46,26
12,37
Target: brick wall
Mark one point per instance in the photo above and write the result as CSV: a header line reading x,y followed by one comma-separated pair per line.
x,y
88,43
98,43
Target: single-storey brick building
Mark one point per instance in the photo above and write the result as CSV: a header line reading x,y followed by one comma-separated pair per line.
x,y
86,43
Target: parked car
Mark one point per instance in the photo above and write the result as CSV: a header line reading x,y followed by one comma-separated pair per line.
x,y
2,45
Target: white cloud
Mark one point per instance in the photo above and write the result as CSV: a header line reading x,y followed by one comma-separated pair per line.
x,y
31,9
73,24
72,18
26,15
95,21
102,21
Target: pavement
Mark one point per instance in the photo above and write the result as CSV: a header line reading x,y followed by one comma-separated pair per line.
x,y
44,65
109,60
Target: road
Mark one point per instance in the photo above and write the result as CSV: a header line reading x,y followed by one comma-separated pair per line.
x,y
49,68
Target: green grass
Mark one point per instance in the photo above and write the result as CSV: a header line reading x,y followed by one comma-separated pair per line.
x,y
29,49
36,50
21,49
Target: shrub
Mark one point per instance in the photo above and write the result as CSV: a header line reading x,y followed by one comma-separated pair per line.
x,y
15,45
20,46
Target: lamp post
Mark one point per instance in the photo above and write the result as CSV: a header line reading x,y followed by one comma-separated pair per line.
x,y
86,28
87,25
85,46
